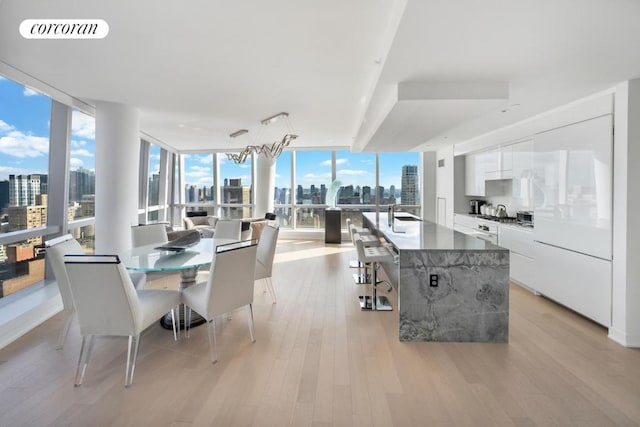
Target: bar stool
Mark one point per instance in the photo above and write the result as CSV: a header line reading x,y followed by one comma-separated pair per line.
x,y
372,256
362,277
352,229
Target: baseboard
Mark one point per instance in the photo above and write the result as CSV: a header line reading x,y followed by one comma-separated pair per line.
x,y
23,315
623,339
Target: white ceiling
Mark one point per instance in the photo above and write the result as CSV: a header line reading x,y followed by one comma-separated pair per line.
x,y
199,70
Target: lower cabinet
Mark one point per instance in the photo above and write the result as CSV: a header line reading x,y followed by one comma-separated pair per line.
x,y
580,282
522,269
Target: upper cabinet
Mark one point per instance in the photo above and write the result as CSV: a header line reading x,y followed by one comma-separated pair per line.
x,y
499,163
474,175
487,165
522,174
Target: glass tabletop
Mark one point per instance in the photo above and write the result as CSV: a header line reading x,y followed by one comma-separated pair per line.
x,y
147,258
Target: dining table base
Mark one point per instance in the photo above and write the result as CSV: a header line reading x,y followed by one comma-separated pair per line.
x,y
187,278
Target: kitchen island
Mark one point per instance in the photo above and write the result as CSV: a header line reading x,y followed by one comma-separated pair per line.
x,y
451,286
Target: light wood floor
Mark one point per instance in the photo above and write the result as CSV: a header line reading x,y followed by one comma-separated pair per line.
x,y
320,361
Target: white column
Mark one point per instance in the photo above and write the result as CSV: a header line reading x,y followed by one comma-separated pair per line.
x,y
265,184
117,163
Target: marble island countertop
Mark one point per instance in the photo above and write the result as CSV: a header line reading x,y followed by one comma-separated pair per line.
x,y
407,234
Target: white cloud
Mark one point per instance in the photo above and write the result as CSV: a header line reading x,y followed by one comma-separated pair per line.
x,y
208,159
338,162
5,127
351,172
155,167
75,163
317,179
75,143
5,171
198,173
30,92
81,152
18,144
83,125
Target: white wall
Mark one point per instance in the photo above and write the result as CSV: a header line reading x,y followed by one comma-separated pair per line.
x,y
444,186
428,188
625,326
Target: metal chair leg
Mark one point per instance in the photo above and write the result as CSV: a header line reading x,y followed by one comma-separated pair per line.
x,y
175,321
83,360
211,328
65,329
251,326
272,291
132,355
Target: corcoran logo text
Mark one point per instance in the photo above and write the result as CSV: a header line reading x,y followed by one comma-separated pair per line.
x,y
64,29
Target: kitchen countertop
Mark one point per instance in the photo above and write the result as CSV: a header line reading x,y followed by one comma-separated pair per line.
x,y
425,235
514,225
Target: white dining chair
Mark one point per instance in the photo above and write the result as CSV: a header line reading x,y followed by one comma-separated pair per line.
x,y
265,255
229,286
56,249
108,304
227,229
142,235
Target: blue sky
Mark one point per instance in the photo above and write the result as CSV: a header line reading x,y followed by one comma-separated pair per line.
x,y
24,132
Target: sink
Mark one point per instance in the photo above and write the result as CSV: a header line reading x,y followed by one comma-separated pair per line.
x,y
406,217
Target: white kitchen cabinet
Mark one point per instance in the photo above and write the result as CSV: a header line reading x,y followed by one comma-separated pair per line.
x,y
519,241
499,163
465,220
573,168
474,175
522,183
487,165
580,282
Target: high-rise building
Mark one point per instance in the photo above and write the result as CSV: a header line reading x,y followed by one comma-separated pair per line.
x,y
81,182
366,195
154,189
4,194
23,189
409,190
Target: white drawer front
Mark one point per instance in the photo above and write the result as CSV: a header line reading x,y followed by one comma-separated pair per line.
x,y
581,282
519,241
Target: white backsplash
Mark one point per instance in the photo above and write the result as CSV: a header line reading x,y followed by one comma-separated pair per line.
x,y
499,192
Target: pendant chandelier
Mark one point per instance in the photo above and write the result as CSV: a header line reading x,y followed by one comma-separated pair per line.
x,y
272,150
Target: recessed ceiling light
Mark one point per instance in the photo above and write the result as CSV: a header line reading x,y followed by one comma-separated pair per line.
x,y
180,125
377,60
363,99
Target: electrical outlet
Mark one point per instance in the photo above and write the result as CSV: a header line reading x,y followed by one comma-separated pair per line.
x,y
433,280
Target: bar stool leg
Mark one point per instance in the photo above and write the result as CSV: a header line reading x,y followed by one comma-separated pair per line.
x,y
374,302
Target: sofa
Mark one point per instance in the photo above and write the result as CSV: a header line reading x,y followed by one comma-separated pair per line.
x,y
251,227
204,224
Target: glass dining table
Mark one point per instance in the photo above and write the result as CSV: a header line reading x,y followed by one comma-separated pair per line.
x,y
187,262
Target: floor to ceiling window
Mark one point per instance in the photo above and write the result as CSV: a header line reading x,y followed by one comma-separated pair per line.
x,y
197,177
24,160
82,179
357,175
153,182
282,193
312,180
399,180
236,187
